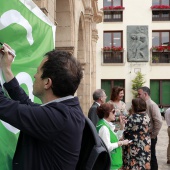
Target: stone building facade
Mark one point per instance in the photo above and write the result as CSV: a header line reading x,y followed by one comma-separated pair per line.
x,y
134,36
76,32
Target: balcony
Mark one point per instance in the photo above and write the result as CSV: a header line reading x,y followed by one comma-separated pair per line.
x,y
112,54
160,57
112,57
160,13
160,54
113,13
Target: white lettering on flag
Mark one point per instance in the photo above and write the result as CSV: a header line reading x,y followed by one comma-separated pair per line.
x,y
13,16
10,127
25,78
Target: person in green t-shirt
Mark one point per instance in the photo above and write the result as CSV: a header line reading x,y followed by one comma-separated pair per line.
x,y
106,129
162,111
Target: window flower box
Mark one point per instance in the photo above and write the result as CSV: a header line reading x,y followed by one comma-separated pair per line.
x,y
113,49
160,48
113,8
117,49
106,49
166,48
160,8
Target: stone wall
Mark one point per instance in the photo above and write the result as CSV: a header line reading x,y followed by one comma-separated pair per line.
x,y
76,32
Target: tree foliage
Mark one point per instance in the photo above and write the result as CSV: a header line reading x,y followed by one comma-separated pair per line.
x,y
137,82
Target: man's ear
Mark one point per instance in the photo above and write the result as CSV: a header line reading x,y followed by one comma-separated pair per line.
x,y
48,83
101,100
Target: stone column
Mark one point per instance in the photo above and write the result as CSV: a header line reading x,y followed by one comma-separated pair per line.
x,y
87,74
93,59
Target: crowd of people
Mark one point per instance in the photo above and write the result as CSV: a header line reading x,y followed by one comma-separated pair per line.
x,y
131,136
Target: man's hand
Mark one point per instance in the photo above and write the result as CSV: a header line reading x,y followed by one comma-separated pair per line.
x,y
6,58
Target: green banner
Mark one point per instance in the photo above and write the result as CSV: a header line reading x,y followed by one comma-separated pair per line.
x,y
30,33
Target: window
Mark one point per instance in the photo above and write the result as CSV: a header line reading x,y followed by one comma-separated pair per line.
x,y
161,40
112,14
160,91
160,13
160,2
107,85
112,2
111,40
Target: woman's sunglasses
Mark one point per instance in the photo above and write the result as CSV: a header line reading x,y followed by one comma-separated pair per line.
x,y
113,111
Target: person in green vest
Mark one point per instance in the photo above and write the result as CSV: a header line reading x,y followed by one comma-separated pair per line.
x,y
105,129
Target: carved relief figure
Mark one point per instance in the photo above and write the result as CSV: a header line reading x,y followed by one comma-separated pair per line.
x,y
139,42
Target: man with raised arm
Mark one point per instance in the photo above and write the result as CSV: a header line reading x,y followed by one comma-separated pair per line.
x,y
51,133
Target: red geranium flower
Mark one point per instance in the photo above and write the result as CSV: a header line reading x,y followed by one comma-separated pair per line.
x,y
112,7
117,48
106,48
160,7
158,48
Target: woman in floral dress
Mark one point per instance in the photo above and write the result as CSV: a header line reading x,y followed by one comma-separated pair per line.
x,y
137,155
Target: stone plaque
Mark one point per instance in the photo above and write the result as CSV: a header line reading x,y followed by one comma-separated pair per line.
x,y
137,43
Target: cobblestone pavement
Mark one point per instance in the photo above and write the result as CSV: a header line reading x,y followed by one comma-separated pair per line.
x,y
161,148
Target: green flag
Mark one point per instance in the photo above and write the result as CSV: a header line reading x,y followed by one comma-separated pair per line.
x,y
31,34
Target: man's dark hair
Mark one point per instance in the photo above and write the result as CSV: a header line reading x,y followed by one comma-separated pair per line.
x,y
145,89
139,105
115,92
97,94
64,71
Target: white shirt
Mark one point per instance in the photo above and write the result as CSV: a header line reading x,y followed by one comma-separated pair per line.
x,y
105,135
98,103
167,116
59,100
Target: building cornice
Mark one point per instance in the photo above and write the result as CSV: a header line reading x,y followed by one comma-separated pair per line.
x,y
68,48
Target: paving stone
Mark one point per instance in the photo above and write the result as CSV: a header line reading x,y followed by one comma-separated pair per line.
x,y
161,148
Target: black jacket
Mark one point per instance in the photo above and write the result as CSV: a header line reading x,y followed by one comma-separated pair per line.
x,y
92,115
50,137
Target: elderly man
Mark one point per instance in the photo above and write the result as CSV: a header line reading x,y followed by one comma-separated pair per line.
x,y
156,122
167,118
99,97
